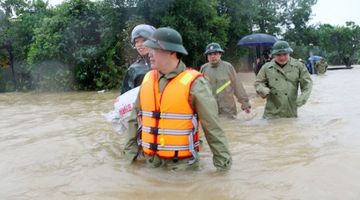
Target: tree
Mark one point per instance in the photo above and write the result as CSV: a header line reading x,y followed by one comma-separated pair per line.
x,y
340,41
197,22
17,26
71,38
241,15
296,21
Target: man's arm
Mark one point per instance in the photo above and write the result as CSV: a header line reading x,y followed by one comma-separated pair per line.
x,y
131,147
239,90
261,83
205,105
305,86
128,82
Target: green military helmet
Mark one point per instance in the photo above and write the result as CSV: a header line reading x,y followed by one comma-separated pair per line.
x,y
167,39
281,47
213,47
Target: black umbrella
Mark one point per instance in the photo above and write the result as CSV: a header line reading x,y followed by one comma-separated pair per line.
x,y
257,39
260,42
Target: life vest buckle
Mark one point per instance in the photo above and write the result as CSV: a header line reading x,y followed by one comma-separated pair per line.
x,y
154,130
156,114
153,147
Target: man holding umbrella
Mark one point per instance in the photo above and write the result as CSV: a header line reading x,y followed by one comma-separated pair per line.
x,y
224,82
278,82
260,42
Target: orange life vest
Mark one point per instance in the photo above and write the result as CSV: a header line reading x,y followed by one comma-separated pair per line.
x,y
169,124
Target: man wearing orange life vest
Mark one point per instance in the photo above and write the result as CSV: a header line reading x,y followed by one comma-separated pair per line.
x,y
171,101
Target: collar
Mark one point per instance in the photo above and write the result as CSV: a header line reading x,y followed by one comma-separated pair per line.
x,y
144,60
180,68
282,66
215,64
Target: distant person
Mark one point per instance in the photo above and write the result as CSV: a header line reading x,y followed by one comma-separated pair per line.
x,y
136,72
321,66
310,65
278,81
224,82
258,63
266,57
172,103
347,60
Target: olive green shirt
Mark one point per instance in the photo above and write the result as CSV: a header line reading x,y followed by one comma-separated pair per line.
x,y
219,74
205,106
279,85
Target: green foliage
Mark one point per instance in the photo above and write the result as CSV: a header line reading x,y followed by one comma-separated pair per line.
x,y
52,76
93,71
263,16
23,75
339,41
85,45
197,22
73,37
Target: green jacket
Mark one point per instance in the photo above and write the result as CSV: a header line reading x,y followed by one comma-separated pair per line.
x,y
218,75
204,103
280,87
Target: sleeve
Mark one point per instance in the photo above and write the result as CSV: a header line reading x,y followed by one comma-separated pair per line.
x,y
202,68
239,89
305,86
128,82
131,147
261,83
205,105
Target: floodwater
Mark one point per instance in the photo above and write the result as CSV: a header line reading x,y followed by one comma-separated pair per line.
x,y
59,146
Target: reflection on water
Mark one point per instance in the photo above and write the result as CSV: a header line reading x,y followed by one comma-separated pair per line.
x,y
59,146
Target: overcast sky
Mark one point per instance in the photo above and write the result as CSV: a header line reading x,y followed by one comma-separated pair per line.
x,y
334,12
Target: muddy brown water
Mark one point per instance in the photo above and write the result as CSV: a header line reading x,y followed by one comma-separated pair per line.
x,y
59,146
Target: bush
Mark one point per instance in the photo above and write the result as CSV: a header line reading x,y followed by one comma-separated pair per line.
x,y
53,76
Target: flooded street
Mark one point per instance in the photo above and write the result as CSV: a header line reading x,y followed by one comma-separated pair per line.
x,y
60,146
